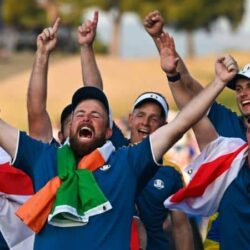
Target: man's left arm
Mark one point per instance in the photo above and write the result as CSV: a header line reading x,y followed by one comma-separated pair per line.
x,y
86,35
182,231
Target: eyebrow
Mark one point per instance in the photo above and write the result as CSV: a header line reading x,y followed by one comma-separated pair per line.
x,y
91,112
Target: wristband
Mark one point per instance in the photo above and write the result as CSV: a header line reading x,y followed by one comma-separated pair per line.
x,y
175,78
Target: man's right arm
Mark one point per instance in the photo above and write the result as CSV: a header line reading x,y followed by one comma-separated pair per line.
x,y
183,91
225,69
8,138
86,35
38,118
12,140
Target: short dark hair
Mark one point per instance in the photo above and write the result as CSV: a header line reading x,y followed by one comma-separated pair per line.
x,y
65,113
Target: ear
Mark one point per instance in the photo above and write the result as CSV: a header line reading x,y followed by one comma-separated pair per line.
x,y
109,133
164,123
130,119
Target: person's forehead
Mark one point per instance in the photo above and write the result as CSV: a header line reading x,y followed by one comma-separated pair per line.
x,y
89,104
149,107
242,81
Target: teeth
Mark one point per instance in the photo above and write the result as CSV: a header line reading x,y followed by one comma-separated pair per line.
x,y
85,128
85,132
143,131
245,102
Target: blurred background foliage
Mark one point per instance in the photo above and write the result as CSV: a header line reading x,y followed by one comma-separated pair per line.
x,y
22,21
187,15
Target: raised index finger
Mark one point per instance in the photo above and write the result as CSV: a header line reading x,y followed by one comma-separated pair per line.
x,y
56,24
95,18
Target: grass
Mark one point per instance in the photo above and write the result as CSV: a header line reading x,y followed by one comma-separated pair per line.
x,y
124,80
16,63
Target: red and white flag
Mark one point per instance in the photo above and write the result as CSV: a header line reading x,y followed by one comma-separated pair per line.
x,y
210,173
15,188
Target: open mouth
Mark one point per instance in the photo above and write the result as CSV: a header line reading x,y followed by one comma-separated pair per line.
x,y
143,133
245,103
85,132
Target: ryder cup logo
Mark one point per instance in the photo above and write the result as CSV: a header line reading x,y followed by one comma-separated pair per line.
x,y
159,184
105,167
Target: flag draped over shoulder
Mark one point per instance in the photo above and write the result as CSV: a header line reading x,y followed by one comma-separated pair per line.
x,y
211,173
15,188
70,198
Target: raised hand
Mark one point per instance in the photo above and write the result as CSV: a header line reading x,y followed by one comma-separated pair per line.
x,y
168,55
46,41
225,68
153,23
87,31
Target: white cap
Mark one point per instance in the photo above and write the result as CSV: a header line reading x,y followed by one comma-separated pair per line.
x,y
243,73
155,97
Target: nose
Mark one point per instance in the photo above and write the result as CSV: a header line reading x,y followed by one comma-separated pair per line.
x,y
86,117
145,121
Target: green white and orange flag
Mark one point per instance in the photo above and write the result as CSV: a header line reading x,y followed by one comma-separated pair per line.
x,y
70,198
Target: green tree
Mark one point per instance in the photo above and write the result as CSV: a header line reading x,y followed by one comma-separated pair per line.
x,y
117,8
189,15
50,8
71,11
25,14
